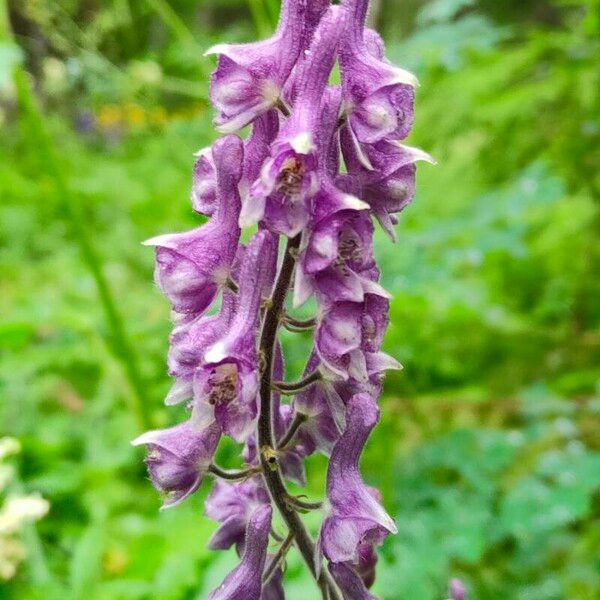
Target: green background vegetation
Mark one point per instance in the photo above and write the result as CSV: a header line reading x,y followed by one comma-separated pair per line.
x,y
488,453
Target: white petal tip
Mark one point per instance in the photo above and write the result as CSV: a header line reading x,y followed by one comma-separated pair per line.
x,y
216,49
159,240
355,203
302,143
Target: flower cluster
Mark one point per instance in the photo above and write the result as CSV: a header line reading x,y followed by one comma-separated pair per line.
x,y
320,162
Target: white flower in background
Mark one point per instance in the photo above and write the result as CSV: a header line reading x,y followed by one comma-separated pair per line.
x,y
15,511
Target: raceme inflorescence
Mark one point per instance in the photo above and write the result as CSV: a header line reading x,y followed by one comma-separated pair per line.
x,y
320,162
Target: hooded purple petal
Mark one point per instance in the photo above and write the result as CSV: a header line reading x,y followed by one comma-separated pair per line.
x,y
388,185
378,96
191,267
245,580
250,77
355,515
178,458
349,582
231,505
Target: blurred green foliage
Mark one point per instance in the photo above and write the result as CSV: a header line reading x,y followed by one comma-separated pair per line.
x,y
488,452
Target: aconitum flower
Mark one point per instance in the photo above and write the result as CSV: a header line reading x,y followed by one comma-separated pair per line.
x,y
178,458
378,96
245,580
349,330
319,165
191,267
457,590
250,77
231,505
355,515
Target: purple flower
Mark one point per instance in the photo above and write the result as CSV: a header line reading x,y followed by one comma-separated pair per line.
x,y
204,183
189,341
226,385
245,581
355,515
349,582
289,178
324,413
338,262
378,96
388,185
191,267
250,77
178,458
231,505
349,330
457,590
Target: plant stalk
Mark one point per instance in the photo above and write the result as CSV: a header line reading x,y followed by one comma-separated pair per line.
x,y
266,439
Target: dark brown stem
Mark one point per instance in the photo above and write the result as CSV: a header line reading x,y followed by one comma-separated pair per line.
x,y
296,387
233,475
297,502
294,325
282,107
266,439
290,434
277,559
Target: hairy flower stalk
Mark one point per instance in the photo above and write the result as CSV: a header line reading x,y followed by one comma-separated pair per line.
x,y
320,164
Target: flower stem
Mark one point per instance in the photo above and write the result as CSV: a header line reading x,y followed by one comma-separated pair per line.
x,y
277,559
290,434
266,439
304,504
298,325
233,475
296,387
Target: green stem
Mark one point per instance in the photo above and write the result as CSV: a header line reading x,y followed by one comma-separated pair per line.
x,y
39,138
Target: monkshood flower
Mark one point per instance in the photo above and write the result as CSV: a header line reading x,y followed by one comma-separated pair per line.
x,y
323,413
378,96
178,458
231,505
349,330
226,384
388,186
350,582
289,178
191,267
250,77
245,581
338,260
355,515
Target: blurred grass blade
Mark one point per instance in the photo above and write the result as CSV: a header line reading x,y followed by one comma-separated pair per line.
x,y
119,342
260,17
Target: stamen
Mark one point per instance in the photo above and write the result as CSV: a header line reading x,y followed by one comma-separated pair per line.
x,y
223,384
289,181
